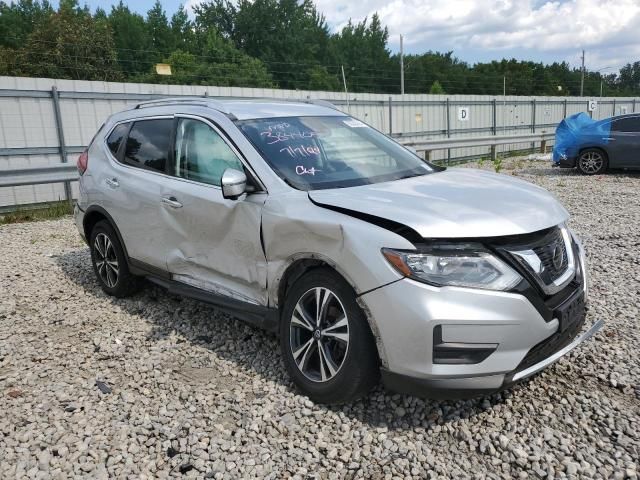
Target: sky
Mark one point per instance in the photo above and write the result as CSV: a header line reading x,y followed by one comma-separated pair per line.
x,y
485,30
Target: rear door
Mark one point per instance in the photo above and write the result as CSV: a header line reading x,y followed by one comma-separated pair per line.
x,y
211,242
624,143
133,185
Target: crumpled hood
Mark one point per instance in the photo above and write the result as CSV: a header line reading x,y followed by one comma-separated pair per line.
x,y
455,203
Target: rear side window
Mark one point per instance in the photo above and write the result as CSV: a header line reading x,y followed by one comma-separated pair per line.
x,y
148,144
115,139
627,125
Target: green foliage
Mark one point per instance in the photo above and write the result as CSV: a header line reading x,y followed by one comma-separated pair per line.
x,y
362,49
69,43
279,43
436,88
497,164
225,66
321,79
131,39
45,212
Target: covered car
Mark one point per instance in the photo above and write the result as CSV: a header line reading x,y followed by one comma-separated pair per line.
x,y
593,146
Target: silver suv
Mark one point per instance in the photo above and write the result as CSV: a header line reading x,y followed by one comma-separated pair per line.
x,y
364,259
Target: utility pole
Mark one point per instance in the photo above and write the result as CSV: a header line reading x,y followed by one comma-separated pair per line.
x,y
401,67
582,77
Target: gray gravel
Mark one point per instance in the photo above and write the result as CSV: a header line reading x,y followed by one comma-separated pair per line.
x,y
156,386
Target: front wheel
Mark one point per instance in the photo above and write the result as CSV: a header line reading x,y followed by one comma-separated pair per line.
x,y
592,162
326,343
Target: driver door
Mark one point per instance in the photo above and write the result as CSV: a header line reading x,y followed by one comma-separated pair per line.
x,y
211,242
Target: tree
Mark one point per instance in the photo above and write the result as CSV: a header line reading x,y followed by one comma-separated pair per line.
x,y
436,88
18,19
159,31
69,44
132,40
321,79
288,36
221,64
183,31
362,49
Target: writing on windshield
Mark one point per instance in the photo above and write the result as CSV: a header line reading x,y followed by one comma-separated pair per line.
x,y
330,152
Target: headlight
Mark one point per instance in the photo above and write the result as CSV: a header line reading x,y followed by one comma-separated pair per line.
x,y
462,265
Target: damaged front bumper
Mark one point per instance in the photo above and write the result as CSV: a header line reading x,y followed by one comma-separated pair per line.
x,y
468,387
450,342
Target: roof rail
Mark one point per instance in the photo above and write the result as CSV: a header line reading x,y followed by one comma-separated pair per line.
x,y
191,100
321,103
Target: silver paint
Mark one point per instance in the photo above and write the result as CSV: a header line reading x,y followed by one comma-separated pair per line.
x,y
245,248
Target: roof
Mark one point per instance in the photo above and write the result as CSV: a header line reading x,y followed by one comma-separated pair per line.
x,y
245,109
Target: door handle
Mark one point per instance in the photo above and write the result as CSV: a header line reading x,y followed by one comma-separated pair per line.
x,y
172,202
112,182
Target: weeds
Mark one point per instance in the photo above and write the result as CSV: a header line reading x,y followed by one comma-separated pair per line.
x,y
46,212
497,164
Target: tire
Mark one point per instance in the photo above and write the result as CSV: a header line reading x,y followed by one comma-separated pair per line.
x,y
113,275
341,371
592,161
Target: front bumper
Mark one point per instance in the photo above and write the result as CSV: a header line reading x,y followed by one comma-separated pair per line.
x,y
406,314
449,388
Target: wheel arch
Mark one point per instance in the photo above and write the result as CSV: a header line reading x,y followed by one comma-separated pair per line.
x,y
301,266
95,214
600,148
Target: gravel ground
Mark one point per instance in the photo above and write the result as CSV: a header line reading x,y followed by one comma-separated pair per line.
x,y
158,386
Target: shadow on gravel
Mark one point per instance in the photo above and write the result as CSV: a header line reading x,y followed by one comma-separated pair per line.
x,y
253,350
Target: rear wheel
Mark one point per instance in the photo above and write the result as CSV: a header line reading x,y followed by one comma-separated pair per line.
x,y
109,262
325,340
592,162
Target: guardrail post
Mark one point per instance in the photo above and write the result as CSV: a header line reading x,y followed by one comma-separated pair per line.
x,y
564,113
59,129
494,153
448,131
533,122
494,127
613,113
633,106
390,117
543,146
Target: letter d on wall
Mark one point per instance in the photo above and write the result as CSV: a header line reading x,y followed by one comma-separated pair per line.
x,y
463,114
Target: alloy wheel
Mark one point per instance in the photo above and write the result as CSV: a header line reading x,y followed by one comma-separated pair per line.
x,y
319,334
106,260
591,162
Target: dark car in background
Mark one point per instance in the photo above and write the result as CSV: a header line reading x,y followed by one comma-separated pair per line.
x,y
593,146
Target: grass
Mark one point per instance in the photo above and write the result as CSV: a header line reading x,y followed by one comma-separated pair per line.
x,y
45,212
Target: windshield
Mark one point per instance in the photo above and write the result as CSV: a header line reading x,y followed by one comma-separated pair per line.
x,y
312,153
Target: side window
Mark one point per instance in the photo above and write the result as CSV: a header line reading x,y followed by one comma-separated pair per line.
x,y
201,154
626,125
115,139
149,143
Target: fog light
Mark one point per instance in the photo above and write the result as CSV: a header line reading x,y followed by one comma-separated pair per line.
x,y
458,353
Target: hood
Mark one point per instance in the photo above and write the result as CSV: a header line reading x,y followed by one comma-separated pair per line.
x,y
455,203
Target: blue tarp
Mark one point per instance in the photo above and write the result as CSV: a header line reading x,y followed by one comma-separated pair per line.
x,y
576,132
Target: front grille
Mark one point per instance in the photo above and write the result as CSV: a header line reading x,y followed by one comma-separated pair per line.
x,y
552,269
543,255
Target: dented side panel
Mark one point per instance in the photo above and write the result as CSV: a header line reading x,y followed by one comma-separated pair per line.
x,y
294,228
213,243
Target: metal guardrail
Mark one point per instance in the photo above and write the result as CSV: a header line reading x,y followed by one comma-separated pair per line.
x,y
63,172
67,172
445,143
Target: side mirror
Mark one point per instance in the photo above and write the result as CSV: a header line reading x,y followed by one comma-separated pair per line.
x,y
234,183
